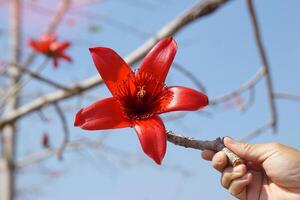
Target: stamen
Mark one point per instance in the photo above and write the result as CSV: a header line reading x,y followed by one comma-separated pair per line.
x,y
142,97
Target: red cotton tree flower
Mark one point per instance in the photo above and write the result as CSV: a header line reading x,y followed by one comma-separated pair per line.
x,y
49,46
138,99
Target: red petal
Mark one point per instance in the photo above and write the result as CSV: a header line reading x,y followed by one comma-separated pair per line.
x,y
57,47
104,114
39,46
158,61
112,68
186,99
66,57
153,138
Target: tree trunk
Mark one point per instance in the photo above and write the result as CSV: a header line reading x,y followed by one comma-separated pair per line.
x,y
9,131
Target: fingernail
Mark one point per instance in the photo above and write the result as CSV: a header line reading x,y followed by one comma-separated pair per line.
x,y
228,140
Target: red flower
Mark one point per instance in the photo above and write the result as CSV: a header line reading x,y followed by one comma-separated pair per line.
x,y
139,98
48,45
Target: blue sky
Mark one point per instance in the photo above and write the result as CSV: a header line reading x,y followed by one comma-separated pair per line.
x,y
218,49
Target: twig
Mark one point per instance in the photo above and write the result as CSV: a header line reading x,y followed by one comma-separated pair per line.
x,y
41,78
244,87
265,63
250,100
65,140
199,10
190,75
188,142
257,131
286,95
214,145
21,83
40,156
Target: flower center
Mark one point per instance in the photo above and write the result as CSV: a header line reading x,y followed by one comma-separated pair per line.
x,y
143,97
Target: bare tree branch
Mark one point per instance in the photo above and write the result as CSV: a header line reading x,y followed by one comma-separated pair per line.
x,y
64,123
257,131
20,83
244,87
286,95
265,63
190,75
41,78
40,156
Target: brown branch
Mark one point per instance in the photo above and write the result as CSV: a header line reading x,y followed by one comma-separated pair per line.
x,y
199,10
213,145
66,132
265,63
188,142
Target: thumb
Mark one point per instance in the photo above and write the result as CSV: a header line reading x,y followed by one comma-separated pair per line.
x,y
250,152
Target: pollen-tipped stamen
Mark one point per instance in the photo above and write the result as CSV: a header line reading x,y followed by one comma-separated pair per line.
x,y
142,97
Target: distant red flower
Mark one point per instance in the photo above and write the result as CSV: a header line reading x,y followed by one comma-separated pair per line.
x,y
48,45
139,98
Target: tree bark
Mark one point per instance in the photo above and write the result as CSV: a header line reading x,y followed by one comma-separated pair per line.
x,y
9,131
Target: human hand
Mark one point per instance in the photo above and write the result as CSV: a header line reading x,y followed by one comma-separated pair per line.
x,y
271,171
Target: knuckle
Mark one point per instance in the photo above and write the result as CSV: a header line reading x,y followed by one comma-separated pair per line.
x,y
240,170
235,191
226,177
247,147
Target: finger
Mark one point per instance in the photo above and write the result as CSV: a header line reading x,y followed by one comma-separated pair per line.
x,y
219,161
207,154
232,173
238,187
252,152
254,188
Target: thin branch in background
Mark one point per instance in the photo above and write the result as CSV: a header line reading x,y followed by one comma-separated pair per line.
x,y
42,116
36,75
66,132
199,10
244,87
190,75
288,96
250,100
47,153
21,82
257,131
265,63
